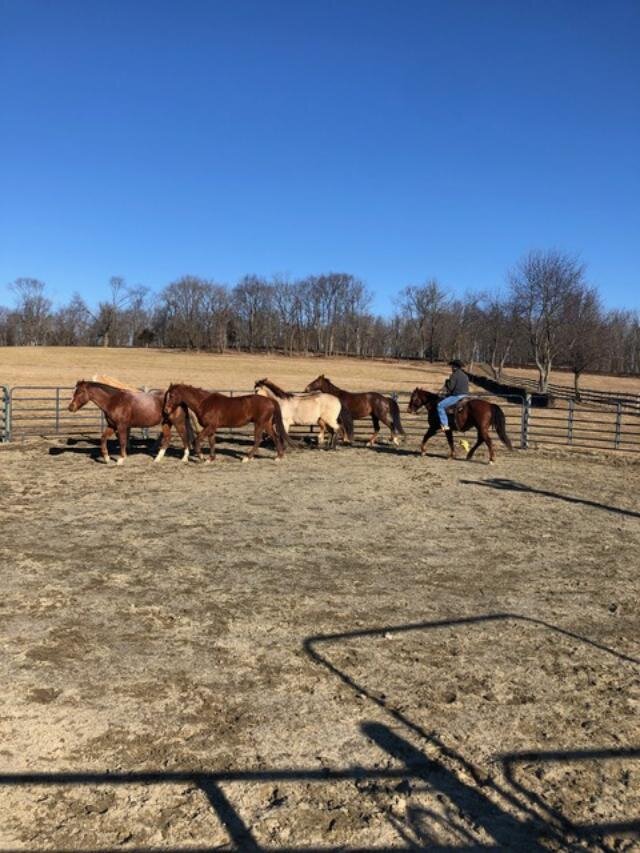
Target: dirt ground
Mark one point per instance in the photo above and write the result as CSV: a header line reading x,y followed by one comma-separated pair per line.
x,y
349,650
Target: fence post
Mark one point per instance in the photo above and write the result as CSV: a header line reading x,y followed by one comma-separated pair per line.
x,y
618,434
526,415
57,409
5,434
570,421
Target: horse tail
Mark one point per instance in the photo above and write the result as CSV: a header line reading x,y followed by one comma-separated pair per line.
x,y
395,416
499,424
282,436
346,422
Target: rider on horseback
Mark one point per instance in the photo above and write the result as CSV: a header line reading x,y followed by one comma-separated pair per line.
x,y
455,389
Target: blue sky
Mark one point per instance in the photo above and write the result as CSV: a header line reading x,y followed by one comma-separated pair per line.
x,y
397,141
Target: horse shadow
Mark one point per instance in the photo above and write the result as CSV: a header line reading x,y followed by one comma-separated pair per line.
x,y
507,485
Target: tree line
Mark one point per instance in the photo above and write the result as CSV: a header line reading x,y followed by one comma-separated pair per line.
x,y
548,315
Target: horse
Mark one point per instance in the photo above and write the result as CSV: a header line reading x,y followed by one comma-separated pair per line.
x,y
315,407
469,413
363,405
124,409
215,410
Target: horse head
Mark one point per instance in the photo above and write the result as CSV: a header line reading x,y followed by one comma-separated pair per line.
x,y
260,387
172,399
420,397
318,384
80,396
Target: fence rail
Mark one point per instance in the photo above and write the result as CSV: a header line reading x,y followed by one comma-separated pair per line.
x,y
42,411
586,395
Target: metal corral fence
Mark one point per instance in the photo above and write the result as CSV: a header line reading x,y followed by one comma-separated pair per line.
x,y
587,395
42,411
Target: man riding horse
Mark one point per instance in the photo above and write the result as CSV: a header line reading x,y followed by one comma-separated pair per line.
x,y
455,388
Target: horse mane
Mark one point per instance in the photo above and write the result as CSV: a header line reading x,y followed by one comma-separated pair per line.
x,y
329,382
284,395
104,386
112,382
190,387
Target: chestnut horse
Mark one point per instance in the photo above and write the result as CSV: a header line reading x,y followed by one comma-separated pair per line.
x,y
215,410
363,405
124,409
473,412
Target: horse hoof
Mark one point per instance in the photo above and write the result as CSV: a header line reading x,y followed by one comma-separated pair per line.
x,y
120,461
491,462
245,459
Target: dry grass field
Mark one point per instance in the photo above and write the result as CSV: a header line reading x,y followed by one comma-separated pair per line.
x,y
157,368
152,367
357,649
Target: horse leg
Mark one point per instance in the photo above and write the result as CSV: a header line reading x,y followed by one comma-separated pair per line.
x,y
212,445
181,426
376,430
452,447
197,444
479,441
323,427
166,438
271,431
257,438
106,435
489,443
425,438
123,435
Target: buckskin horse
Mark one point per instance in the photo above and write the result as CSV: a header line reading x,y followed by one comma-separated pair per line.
x,y
124,409
307,408
469,413
215,410
363,405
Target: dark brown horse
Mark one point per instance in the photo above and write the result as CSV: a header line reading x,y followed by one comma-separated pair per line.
x,y
473,412
364,405
124,409
216,410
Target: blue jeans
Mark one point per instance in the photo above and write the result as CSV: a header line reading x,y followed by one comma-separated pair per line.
x,y
448,401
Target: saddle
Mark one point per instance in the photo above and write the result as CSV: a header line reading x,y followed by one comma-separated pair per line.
x,y
459,412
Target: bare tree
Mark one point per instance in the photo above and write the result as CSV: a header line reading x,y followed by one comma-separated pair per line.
x,y
108,317
425,307
71,323
33,311
583,332
541,285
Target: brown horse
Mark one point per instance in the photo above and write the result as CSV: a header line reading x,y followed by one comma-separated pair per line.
x,y
216,410
124,409
473,412
364,405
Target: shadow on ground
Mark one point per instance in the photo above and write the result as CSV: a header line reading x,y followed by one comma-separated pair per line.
x,y
488,803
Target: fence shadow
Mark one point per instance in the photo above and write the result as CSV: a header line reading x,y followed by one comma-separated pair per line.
x,y
544,822
515,817
507,485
